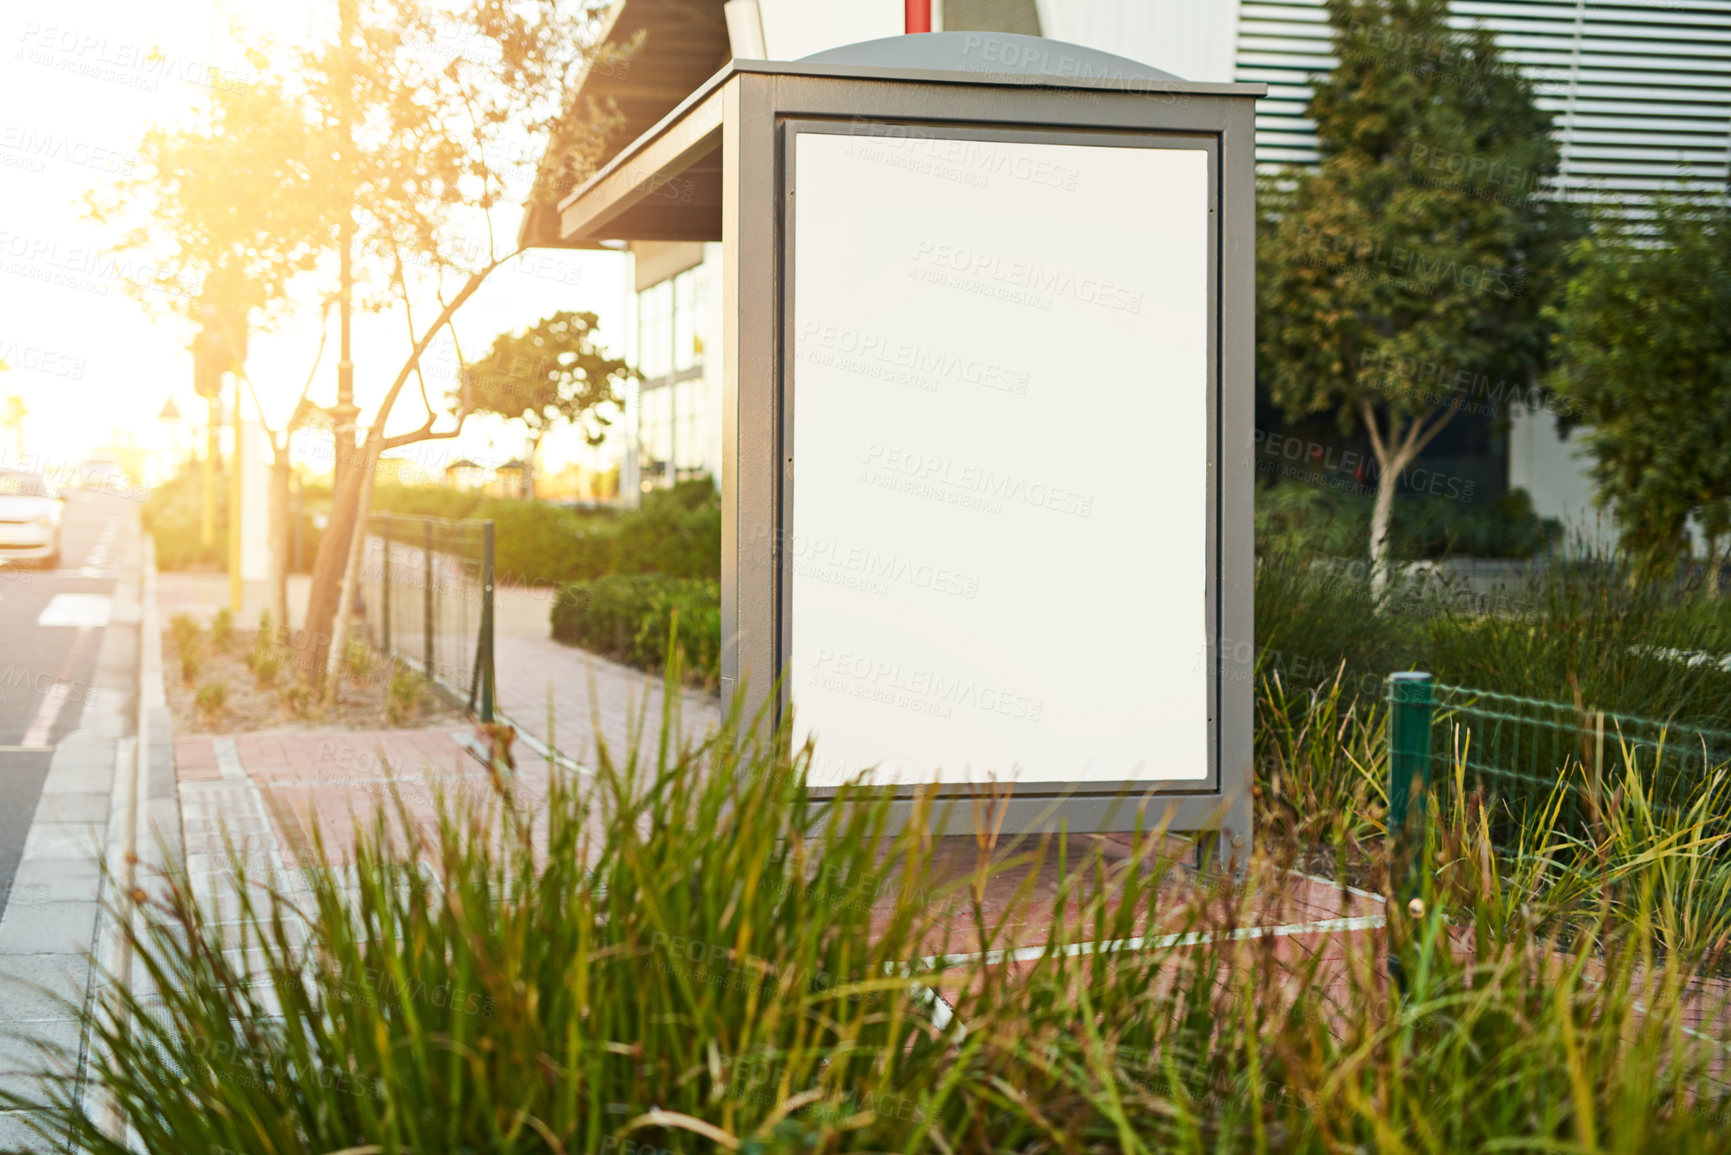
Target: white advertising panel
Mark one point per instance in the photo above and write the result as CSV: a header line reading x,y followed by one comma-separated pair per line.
x,y
1000,433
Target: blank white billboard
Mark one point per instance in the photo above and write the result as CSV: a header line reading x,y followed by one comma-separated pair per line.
x,y
1000,442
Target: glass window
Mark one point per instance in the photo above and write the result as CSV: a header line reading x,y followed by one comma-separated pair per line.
x,y
655,321
671,421
685,320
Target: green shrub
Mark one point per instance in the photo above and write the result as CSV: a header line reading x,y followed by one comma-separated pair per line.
x,y
675,532
173,515
190,664
405,696
1315,519
265,666
358,662
1588,630
629,617
210,700
678,952
185,630
539,544
422,500
222,629
299,700
1592,631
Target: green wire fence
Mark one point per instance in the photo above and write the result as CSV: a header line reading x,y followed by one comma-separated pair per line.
x,y
1517,751
428,589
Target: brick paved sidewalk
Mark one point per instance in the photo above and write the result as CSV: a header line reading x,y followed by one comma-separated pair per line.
x,y
590,698
270,791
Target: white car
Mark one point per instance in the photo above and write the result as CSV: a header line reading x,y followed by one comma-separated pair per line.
x,y
29,519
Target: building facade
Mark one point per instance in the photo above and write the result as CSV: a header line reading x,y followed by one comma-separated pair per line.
x,y
1640,93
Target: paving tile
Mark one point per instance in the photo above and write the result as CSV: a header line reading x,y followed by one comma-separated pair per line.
x,y
57,879
90,809
16,1135
34,988
64,840
48,928
22,1059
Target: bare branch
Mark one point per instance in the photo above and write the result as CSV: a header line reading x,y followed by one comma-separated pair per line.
x,y
1367,411
1429,434
376,433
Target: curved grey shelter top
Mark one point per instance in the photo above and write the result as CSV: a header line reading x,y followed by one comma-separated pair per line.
x,y
1002,54
665,184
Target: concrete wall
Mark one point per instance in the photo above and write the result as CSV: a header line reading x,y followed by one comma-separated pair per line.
x,y
1195,41
1553,470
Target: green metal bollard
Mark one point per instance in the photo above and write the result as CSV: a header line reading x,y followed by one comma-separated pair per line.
x,y
1409,723
481,680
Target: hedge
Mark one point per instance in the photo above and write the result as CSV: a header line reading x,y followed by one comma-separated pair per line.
x,y
629,617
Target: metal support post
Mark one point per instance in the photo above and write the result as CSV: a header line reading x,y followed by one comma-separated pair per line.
x,y
385,591
427,597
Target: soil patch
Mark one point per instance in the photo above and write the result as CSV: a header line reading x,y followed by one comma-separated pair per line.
x,y
362,702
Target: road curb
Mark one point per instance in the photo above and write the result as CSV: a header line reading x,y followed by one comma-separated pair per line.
x,y
127,833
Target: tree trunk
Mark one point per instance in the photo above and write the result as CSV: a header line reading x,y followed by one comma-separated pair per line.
x,y
329,567
1715,566
352,569
1381,520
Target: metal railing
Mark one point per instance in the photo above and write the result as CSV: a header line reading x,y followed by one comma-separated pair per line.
x,y
1522,750
427,583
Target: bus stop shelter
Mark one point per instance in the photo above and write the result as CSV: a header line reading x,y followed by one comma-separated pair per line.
x,y
987,340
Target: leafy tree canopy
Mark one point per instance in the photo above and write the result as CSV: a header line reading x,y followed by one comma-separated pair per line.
x,y
1644,354
1419,241
548,373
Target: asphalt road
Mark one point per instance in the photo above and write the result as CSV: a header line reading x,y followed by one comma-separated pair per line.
x,y
45,668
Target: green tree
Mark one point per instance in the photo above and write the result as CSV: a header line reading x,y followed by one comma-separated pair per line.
x,y
396,141
1419,240
1643,354
547,374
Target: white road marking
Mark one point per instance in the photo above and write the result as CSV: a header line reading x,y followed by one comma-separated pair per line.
x,y
43,723
82,611
59,693
97,563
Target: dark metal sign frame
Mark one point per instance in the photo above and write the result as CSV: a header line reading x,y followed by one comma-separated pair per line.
x,y
732,144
